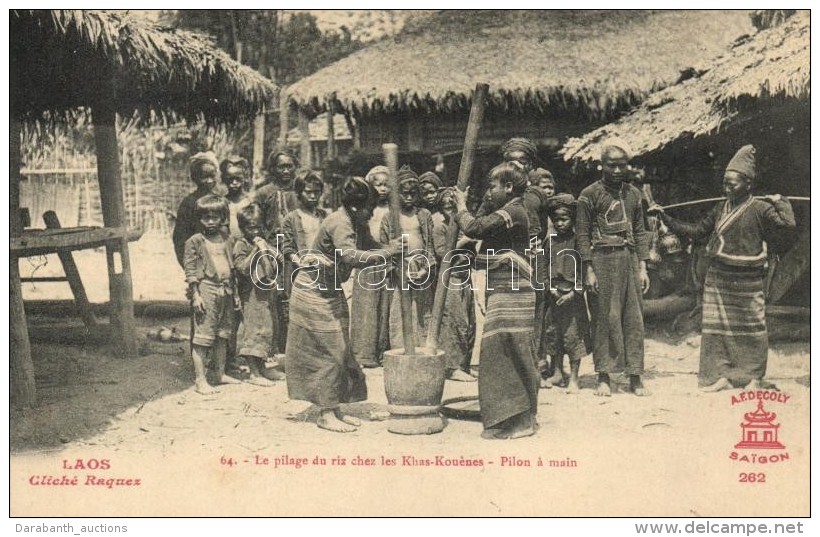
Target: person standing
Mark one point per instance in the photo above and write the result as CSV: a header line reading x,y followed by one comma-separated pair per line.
x,y
611,238
508,383
735,344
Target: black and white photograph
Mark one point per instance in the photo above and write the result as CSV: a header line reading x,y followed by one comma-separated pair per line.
x,y
410,263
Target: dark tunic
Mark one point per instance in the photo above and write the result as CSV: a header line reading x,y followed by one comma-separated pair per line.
x,y
735,340
610,233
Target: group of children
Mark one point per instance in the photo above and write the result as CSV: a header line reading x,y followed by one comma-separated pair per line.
x,y
237,250
241,249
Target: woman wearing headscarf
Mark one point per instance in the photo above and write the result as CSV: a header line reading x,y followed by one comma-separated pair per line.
x,y
734,346
319,362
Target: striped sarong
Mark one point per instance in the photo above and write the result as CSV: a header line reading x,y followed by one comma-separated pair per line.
x,y
319,364
735,340
508,383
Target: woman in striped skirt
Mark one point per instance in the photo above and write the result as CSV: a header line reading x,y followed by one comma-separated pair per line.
x,y
508,383
319,363
734,346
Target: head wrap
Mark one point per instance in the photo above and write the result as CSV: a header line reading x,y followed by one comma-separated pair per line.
x,y
202,158
616,143
406,174
744,162
520,144
376,170
561,201
430,177
356,191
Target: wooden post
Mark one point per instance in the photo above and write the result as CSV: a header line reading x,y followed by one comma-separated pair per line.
x,y
304,130
258,144
72,274
284,110
21,368
464,173
354,132
331,133
391,158
104,118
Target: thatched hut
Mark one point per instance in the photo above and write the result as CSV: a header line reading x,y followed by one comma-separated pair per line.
x,y
758,92
108,64
552,74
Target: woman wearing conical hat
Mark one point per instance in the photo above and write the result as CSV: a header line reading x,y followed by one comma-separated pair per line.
x,y
734,346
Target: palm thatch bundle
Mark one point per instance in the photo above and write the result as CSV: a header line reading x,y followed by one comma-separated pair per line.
x,y
61,60
771,67
594,62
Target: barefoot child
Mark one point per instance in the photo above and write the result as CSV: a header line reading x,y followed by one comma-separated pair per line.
x,y
208,268
371,301
566,311
508,383
417,225
256,266
203,169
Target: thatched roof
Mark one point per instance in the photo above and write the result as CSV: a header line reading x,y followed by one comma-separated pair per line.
x,y
597,62
771,66
60,60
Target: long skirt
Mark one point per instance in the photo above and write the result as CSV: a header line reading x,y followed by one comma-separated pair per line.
x,y
735,341
508,383
458,324
617,311
369,334
260,323
319,364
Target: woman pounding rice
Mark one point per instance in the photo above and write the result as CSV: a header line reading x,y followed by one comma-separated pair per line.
x,y
320,365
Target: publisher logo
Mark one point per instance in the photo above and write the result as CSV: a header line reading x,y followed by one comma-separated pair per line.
x,y
760,441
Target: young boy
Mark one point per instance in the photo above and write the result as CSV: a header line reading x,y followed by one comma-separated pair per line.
x,y
508,383
203,169
209,273
235,172
417,224
256,265
370,301
566,311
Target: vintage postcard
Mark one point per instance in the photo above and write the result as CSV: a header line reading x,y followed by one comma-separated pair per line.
x,y
410,263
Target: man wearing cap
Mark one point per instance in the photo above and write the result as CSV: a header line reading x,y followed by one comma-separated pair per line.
x,y
734,347
612,241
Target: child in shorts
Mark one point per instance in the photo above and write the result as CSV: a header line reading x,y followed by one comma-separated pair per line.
x,y
208,266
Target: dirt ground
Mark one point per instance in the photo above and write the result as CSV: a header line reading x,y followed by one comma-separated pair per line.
x,y
668,454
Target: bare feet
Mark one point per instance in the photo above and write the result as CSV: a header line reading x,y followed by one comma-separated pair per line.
x,y
572,386
328,420
557,378
227,379
273,374
721,384
260,381
754,384
203,388
603,390
494,433
460,376
636,386
350,420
